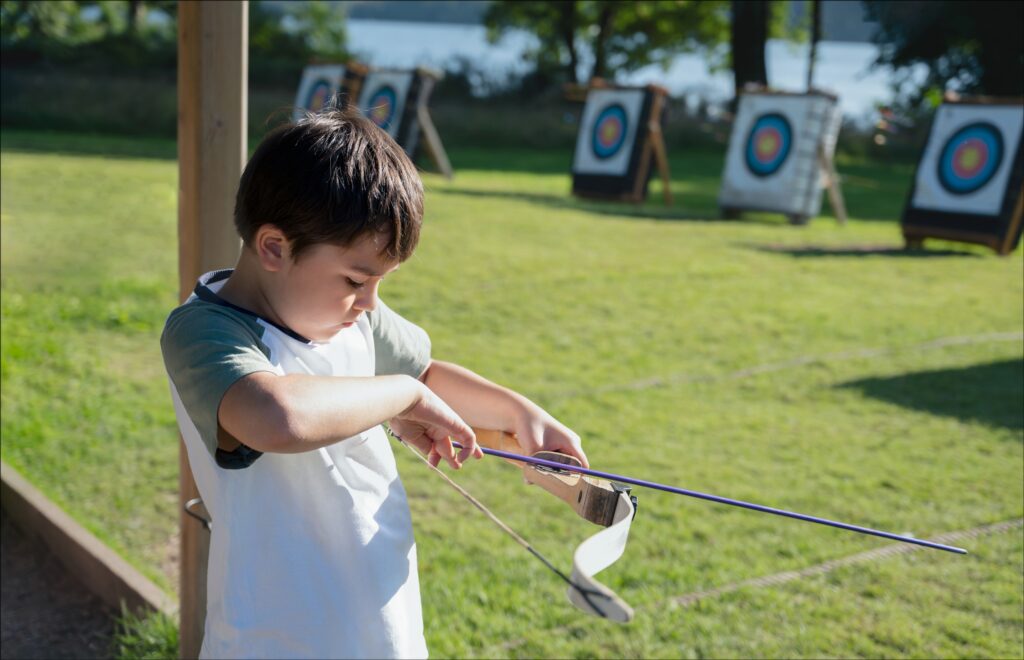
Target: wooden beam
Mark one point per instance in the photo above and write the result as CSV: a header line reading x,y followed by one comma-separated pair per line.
x,y
212,107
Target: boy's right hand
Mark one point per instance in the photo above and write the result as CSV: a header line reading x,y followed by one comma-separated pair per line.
x,y
430,424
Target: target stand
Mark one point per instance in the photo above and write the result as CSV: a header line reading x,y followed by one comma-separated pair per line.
x,y
969,184
397,101
327,85
620,135
781,156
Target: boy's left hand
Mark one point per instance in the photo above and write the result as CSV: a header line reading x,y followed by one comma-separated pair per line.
x,y
537,430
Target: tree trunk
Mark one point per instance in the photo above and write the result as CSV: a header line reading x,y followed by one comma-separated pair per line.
x,y
567,30
748,40
604,21
815,38
134,16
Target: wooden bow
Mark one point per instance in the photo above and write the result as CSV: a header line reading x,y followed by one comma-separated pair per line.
x,y
592,499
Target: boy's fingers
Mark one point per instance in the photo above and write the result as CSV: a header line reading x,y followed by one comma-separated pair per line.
x,y
469,445
443,446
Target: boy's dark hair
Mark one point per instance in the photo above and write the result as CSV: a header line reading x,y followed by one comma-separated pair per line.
x,y
331,178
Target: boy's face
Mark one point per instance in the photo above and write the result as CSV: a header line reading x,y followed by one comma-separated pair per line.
x,y
329,287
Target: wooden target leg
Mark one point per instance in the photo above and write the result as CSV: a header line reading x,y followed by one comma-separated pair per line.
x,y
913,243
835,194
661,157
729,213
797,219
433,142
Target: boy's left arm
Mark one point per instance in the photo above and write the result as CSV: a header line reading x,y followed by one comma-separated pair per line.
x,y
487,405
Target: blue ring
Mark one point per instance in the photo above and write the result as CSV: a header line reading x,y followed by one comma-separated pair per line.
x,y
389,93
991,137
782,125
314,88
614,110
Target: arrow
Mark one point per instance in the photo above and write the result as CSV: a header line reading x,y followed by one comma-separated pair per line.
x,y
716,498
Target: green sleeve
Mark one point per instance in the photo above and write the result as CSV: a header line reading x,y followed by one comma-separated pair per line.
x,y
400,347
206,349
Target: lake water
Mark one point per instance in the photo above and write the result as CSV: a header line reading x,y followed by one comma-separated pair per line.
x,y
843,68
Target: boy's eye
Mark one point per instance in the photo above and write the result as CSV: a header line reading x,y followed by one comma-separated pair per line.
x,y
354,284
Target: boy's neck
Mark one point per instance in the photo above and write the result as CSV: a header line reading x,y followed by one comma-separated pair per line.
x,y
245,288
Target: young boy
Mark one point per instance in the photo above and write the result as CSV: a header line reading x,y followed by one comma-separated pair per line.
x,y
282,371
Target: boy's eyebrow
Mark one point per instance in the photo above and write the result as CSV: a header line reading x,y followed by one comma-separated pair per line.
x,y
365,270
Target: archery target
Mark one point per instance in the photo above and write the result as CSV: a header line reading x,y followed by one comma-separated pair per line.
x,y
383,98
608,130
772,163
968,159
609,133
769,144
319,85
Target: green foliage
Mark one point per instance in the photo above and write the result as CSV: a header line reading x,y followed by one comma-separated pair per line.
x,y
116,37
145,636
970,48
283,38
617,36
796,367
58,21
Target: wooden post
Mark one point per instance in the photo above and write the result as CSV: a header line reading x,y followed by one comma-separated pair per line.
x,y
212,107
831,180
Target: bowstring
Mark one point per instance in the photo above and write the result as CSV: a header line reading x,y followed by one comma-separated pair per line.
x,y
583,591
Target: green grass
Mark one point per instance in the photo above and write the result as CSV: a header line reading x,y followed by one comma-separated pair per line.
x,y
143,637
788,366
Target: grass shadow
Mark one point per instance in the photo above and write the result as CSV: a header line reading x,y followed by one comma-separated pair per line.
x,y
647,211
83,144
992,394
803,251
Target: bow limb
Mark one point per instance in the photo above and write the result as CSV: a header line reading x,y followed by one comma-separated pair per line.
x,y
595,500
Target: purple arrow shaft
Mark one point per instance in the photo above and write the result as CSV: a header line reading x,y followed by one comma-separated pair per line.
x,y
716,498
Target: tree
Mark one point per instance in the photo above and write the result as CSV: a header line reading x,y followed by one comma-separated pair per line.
x,y
749,37
967,47
613,36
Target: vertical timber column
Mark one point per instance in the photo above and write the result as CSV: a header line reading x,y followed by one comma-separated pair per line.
x,y
213,46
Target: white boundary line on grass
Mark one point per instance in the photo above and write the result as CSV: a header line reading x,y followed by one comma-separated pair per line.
x,y
788,576
800,361
829,566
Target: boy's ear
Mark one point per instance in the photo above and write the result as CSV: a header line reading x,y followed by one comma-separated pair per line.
x,y
272,248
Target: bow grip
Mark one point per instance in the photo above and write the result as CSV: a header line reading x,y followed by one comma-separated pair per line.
x,y
592,499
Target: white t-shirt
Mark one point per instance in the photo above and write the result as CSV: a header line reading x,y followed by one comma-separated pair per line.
x,y
311,555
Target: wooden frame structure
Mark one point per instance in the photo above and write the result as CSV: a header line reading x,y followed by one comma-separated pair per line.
x,y
1001,227
648,146
816,162
213,50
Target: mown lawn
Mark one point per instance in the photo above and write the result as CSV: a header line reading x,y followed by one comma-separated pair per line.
x,y
818,368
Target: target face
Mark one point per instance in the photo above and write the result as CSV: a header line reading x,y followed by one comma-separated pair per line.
x,y
768,144
772,163
317,89
383,98
319,94
381,107
970,158
609,132
967,162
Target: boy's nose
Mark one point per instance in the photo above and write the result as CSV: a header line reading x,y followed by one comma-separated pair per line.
x,y
367,302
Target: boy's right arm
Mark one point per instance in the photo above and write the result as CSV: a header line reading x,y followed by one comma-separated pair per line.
x,y
297,412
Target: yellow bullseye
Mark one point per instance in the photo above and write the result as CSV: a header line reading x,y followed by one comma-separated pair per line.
x,y
767,145
969,158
